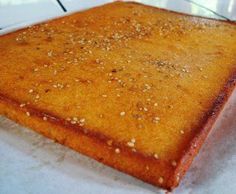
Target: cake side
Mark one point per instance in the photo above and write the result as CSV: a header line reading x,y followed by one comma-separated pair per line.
x,y
110,152
204,131
95,146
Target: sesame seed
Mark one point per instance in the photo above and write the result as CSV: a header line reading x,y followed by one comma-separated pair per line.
x,y
109,142
28,114
130,144
200,68
178,177
36,69
173,163
147,167
82,120
45,118
155,104
31,91
133,140
182,131
156,119
50,53
22,105
73,122
122,113
104,95
148,87
117,150
75,118
160,180
81,124
37,96
156,156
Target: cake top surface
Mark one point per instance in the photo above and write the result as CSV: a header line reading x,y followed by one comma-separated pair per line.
x,y
142,77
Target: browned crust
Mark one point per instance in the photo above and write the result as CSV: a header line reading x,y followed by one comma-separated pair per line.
x,y
10,108
62,122
133,163
185,14
204,130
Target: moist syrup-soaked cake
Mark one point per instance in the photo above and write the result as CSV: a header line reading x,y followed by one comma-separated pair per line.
x,y
133,86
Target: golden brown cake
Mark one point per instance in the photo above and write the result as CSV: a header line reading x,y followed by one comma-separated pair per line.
x,y
132,86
